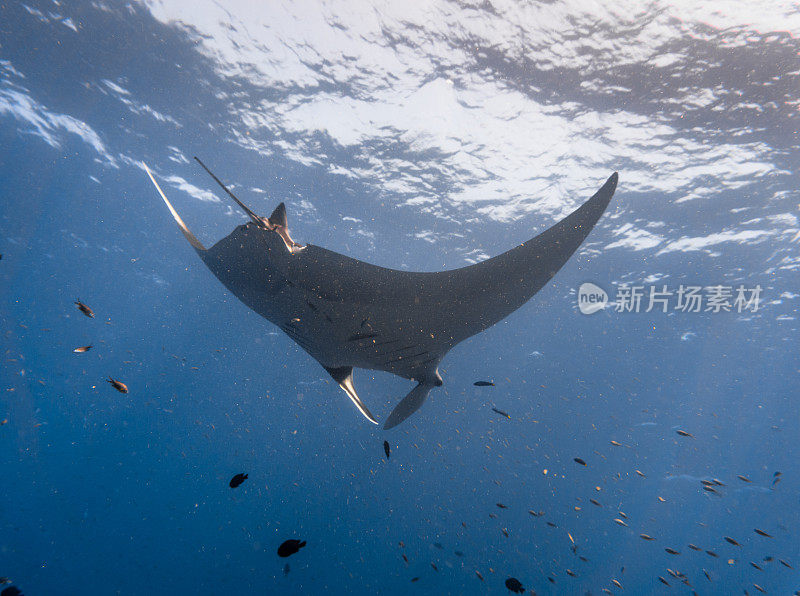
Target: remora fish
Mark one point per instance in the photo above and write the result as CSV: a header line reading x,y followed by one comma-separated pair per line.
x,y
347,313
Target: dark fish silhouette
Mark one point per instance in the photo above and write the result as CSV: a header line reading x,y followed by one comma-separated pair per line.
x,y
483,384
683,433
11,591
501,412
237,480
663,581
762,533
118,385
84,309
290,547
386,449
693,546
743,478
347,313
672,551
578,460
513,584
711,553
732,541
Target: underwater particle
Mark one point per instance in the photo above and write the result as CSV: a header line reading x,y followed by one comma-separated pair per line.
x,y
646,537
237,480
711,553
731,541
683,433
693,546
513,584
290,547
743,478
478,573
438,545
483,384
4,581
663,581
672,551
768,558
11,591
458,553
386,449
762,533
84,309
414,579
620,522
82,349
118,385
501,506
578,460
502,413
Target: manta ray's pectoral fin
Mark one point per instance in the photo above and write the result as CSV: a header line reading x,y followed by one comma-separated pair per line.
x,y
344,376
409,404
189,236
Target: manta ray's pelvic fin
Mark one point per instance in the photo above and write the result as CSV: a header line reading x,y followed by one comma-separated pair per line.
x,y
189,236
409,404
344,376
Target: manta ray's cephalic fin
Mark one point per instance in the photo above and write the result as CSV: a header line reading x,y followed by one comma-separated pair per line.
x,y
344,376
189,236
408,405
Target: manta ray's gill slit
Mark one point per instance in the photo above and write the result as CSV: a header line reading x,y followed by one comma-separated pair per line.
x,y
311,306
361,336
387,342
405,358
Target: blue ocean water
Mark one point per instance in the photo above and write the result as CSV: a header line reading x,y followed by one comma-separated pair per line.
x,y
420,137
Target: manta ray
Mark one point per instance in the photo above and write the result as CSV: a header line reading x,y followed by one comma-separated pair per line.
x,y
350,314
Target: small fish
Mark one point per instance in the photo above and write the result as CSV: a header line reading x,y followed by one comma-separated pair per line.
x,y
582,558
483,384
762,533
756,566
551,579
578,460
513,584
672,551
435,568
3,421
646,537
732,541
641,473
480,577
4,580
82,349
501,506
710,489
594,502
386,449
604,590
768,558
718,482
620,522
118,385
776,481
616,583
708,576
785,564
707,482
662,500
571,573
502,413
711,553
663,581
405,558
84,309
551,524
759,588
504,531
683,433
290,547
674,574
414,579
616,443
743,478
776,474
534,513
438,545
458,553
622,515
237,480
693,546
